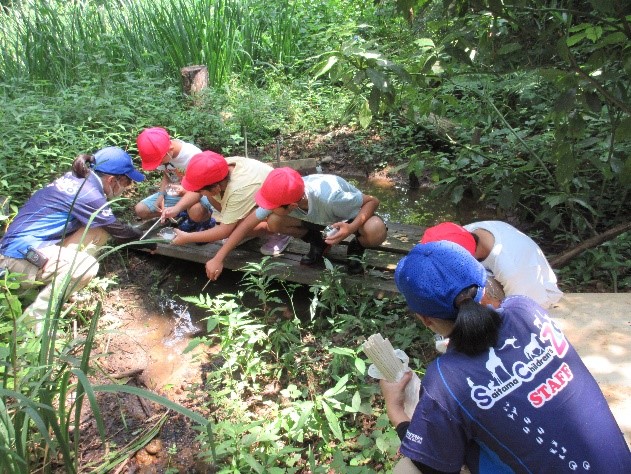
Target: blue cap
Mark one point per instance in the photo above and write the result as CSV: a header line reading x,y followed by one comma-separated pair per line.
x,y
114,160
432,275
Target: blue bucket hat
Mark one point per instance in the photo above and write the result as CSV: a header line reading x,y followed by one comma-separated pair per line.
x,y
432,275
114,160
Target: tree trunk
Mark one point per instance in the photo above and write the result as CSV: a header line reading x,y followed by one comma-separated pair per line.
x,y
564,258
194,79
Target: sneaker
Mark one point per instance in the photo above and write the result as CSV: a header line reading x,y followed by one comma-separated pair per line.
x,y
189,225
315,256
275,244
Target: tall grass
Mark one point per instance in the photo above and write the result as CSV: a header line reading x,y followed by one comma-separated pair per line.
x,y
56,42
44,385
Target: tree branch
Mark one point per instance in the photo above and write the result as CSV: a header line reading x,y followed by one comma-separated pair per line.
x,y
564,258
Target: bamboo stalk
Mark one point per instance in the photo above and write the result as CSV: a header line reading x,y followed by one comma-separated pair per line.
x,y
381,353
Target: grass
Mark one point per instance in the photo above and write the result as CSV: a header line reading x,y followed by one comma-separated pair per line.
x,y
56,41
290,391
44,384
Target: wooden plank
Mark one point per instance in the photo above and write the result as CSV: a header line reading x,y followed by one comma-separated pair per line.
x,y
287,266
380,262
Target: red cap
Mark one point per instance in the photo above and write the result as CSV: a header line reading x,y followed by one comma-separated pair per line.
x,y
281,187
204,169
153,143
452,232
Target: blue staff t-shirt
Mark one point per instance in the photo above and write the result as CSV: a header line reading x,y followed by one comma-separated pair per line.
x,y
528,404
58,209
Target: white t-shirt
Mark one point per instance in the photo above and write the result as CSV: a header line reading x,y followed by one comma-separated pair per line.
x,y
518,263
176,168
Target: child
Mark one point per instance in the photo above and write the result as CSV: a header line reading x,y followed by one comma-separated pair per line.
x,y
171,157
303,207
230,183
512,258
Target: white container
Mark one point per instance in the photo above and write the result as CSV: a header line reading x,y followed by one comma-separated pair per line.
x,y
167,233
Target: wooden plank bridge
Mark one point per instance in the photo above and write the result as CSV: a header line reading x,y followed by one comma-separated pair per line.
x,y
380,261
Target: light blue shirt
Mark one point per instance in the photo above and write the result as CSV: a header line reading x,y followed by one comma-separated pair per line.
x,y
330,199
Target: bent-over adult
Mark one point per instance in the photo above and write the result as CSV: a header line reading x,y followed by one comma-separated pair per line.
x,y
54,235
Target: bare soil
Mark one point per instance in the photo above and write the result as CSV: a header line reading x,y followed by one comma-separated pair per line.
x,y
137,346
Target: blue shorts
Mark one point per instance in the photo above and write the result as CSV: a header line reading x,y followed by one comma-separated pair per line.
x,y
169,201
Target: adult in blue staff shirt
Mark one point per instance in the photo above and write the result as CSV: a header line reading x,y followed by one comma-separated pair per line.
x,y
510,394
54,234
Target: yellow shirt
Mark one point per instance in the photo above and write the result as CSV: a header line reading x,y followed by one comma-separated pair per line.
x,y
246,177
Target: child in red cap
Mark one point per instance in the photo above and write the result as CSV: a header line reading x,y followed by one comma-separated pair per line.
x,y
229,184
512,259
158,151
303,207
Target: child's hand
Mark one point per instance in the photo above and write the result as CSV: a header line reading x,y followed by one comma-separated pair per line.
x,y
181,237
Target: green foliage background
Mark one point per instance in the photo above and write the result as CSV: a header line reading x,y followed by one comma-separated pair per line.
x,y
521,107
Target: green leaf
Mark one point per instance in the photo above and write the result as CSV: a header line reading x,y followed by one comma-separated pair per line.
x,y
334,423
457,193
615,38
94,405
506,197
165,402
593,102
365,115
594,33
360,365
306,410
340,387
327,66
565,102
378,79
563,50
623,132
374,100
342,351
425,43
509,48
382,444
575,39
625,173
581,202
555,200
357,401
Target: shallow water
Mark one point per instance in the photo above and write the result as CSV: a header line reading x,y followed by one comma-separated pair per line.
x,y
415,207
183,325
